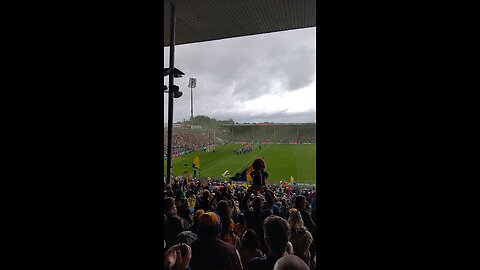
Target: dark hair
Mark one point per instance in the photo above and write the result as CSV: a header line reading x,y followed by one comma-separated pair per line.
x,y
257,203
259,164
169,202
206,193
250,239
299,202
223,211
276,232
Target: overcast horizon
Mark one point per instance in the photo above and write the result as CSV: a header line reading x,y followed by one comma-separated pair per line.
x,y
262,78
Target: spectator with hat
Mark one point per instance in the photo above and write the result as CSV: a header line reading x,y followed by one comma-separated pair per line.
x,y
186,237
194,225
208,244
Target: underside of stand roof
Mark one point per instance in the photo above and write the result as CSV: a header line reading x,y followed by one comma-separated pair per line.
x,y
205,20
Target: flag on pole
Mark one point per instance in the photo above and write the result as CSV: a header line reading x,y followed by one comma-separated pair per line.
x,y
247,173
186,181
186,178
196,162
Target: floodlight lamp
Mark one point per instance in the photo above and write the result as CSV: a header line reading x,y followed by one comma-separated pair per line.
x,y
177,94
176,72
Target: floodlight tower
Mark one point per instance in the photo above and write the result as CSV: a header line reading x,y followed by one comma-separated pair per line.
x,y
192,83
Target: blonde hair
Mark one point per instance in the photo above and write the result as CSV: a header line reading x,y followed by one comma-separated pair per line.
x,y
295,218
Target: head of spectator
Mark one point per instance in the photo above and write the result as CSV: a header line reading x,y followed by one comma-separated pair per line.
x,y
295,219
169,206
169,193
300,237
301,203
186,237
206,195
209,226
276,233
223,210
179,195
250,240
257,203
198,214
290,262
224,190
241,218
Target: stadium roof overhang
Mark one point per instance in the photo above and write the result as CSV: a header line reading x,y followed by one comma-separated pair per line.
x,y
206,20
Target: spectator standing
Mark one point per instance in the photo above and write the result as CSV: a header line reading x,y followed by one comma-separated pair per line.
x,y
209,252
276,233
204,203
194,226
227,234
250,247
240,227
301,206
255,218
174,224
300,237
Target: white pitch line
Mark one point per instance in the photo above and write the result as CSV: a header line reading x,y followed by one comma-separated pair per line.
x,y
216,165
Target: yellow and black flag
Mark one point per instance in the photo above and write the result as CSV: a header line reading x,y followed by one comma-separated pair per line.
x,y
196,162
247,173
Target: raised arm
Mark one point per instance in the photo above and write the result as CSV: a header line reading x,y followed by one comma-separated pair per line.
x,y
245,199
210,203
268,197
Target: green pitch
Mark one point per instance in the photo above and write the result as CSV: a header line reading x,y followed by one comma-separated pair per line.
x,y
283,161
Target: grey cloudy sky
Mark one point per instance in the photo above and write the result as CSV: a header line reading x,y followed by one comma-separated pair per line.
x,y
262,78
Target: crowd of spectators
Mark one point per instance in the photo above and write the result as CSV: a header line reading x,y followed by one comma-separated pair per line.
x,y
228,225
187,140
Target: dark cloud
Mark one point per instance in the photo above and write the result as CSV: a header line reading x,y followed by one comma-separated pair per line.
x,y
232,72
